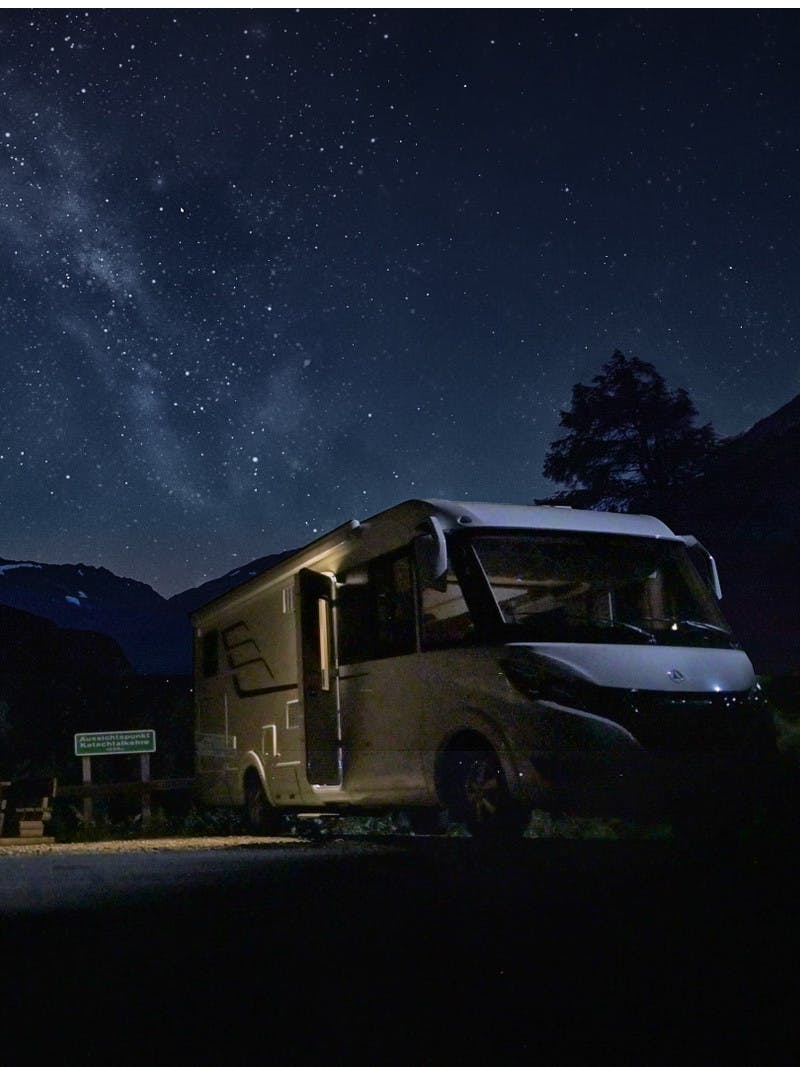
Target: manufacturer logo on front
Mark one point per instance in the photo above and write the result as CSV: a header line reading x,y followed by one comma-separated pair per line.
x,y
676,676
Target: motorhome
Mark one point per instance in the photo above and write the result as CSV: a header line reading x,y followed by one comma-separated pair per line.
x,y
478,660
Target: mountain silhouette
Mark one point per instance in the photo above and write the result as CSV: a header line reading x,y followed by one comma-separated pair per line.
x,y
745,508
153,632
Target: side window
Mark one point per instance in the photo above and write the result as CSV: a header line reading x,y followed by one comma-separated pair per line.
x,y
355,628
210,653
376,613
395,614
445,618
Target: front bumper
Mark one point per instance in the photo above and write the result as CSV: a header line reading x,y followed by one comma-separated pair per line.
x,y
662,756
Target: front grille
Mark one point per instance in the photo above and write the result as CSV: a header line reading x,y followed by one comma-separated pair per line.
x,y
723,723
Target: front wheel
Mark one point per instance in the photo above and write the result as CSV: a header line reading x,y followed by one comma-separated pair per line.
x,y
478,796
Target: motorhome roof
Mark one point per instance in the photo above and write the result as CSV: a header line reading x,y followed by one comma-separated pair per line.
x,y
453,513
390,528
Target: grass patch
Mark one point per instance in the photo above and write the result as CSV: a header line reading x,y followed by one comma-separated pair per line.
x,y
575,828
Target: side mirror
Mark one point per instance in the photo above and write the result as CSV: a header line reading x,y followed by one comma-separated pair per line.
x,y
704,562
430,550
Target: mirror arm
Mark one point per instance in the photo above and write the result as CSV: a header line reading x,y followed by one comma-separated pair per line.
x,y
430,549
695,548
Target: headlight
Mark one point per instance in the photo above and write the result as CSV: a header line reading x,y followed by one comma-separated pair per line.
x,y
537,684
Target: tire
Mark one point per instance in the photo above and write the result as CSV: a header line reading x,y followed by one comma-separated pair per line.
x,y
478,796
259,815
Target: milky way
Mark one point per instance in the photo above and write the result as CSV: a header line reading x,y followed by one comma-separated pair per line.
x,y
264,271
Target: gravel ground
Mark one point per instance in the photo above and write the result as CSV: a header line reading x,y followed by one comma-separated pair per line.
x,y
156,844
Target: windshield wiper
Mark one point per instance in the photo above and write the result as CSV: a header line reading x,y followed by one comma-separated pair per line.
x,y
617,624
693,624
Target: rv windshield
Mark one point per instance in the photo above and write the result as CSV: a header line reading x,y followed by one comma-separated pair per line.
x,y
600,587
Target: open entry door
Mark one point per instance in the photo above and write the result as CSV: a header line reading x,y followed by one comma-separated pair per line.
x,y
320,691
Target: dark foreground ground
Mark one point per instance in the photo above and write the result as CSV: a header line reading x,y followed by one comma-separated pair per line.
x,y
422,951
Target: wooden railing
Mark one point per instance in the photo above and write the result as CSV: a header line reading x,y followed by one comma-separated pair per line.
x,y
107,789
88,791
26,805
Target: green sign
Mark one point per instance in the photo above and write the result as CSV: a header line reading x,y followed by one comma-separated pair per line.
x,y
115,743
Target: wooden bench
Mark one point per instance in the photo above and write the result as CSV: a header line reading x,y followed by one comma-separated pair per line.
x,y
25,807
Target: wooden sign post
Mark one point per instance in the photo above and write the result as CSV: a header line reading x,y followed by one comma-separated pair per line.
x,y
88,810
116,743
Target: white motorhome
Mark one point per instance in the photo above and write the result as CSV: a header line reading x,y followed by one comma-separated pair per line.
x,y
477,659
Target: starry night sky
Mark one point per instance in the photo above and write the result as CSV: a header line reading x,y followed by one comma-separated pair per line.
x,y
264,270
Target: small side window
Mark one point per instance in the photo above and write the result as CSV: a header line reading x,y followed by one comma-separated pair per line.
x,y
356,623
395,611
210,653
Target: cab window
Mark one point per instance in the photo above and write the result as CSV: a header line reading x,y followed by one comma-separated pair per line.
x,y
445,618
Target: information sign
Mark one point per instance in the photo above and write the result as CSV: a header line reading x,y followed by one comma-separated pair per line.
x,y
115,743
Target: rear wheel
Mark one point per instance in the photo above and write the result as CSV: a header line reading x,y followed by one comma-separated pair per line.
x,y
259,815
478,796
